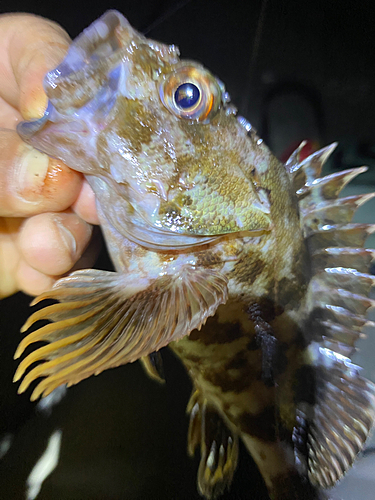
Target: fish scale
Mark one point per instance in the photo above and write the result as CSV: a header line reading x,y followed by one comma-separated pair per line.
x,y
263,294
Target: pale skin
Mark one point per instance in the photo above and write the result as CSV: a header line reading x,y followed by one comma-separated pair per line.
x,y
46,209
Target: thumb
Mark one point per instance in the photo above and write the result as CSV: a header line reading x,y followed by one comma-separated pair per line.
x,y
35,46
31,182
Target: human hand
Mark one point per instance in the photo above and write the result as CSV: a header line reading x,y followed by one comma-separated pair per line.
x,y
46,209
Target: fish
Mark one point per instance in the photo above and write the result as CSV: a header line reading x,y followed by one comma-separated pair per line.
x,y
249,269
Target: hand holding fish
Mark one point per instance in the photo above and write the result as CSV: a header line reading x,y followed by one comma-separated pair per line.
x,y
46,209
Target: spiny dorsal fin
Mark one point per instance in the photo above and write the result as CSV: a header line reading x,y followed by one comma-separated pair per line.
x,y
337,303
107,319
351,258
327,213
349,279
338,422
330,186
309,169
339,235
293,162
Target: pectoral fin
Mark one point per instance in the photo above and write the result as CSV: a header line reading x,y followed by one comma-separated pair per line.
x,y
106,319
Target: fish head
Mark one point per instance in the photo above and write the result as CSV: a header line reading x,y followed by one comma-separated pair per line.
x,y
155,137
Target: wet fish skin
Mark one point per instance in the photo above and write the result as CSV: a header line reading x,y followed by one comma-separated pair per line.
x,y
243,265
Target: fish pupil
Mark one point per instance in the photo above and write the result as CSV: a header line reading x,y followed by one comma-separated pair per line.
x,y
187,95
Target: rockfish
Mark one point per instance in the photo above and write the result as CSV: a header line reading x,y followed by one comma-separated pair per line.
x,y
249,269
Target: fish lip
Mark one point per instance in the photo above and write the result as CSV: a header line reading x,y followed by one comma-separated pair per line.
x,y
27,129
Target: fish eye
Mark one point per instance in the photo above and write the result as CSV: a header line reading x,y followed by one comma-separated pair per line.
x,y
191,92
187,96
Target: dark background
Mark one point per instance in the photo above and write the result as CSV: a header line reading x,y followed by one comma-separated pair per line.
x,y
296,70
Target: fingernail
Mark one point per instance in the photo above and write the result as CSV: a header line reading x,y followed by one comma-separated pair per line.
x,y
31,174
34,101
35,104
67,237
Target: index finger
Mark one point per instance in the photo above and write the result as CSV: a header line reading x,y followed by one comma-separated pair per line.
x,y
30,47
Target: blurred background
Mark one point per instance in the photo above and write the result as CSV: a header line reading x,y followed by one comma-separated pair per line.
x,y
296,70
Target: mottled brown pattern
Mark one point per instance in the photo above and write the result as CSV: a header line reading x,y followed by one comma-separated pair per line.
x,y
149,63
238,362
249,267
235,379
259,425
209,258
292,289
137,124
217,333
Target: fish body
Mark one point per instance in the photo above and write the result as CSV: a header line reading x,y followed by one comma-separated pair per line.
x,y
248,268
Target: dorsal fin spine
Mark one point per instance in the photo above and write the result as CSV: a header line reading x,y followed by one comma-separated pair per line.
x,y
334,316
